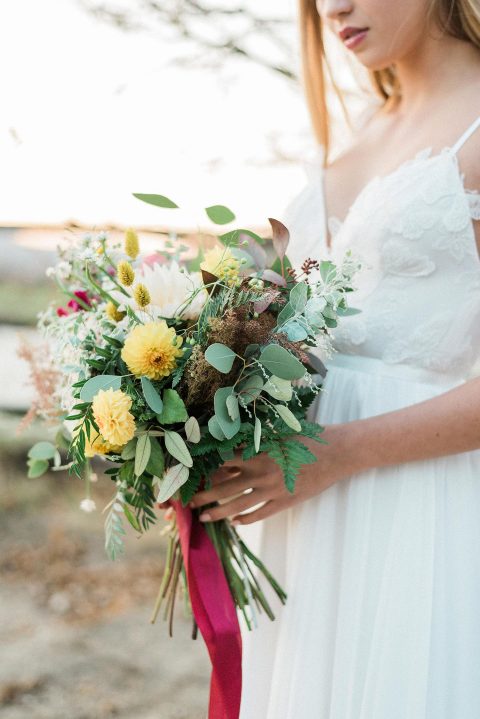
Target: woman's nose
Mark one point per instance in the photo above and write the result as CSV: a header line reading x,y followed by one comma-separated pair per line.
x,y
332,9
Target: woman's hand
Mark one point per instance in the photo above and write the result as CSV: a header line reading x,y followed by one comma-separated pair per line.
x,y
264,480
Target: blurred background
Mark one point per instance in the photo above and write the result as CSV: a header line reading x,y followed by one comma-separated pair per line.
x,y
199,100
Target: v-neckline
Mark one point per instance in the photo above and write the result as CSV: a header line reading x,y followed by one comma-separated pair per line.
x,y
446,151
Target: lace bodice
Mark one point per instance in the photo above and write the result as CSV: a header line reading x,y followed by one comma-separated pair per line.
x,y
419,286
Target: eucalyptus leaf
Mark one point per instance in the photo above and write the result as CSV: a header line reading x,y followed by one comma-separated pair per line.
x,y
228,426
232,407
281,362
288,417
176,446
142,454
157,200
215,429
279,388
42,450
128,452
220,356
219,214
152,398
257,435
174,409
36,467
249,389
192,430
172,480
100,382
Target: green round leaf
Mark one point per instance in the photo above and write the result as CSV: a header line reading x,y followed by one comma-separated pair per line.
x,y
228,426
219,214
37,467
42,450
249,389
215,429
157,200
100,382
220,356
279,388
281,362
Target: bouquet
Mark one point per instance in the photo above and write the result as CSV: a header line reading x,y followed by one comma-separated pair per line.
x,y
164,368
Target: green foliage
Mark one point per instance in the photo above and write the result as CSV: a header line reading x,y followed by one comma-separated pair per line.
x,y
220,356
152,398
157,200
290,455
174,409
100,382
281,362
219,214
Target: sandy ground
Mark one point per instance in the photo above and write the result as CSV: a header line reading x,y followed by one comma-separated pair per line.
x,y
75,634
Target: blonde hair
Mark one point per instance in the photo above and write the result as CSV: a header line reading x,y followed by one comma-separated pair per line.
x,y
458,18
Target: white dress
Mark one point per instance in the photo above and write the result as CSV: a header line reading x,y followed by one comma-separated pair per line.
x,y
382,570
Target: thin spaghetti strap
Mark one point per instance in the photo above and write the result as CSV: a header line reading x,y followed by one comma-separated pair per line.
x,y
469,131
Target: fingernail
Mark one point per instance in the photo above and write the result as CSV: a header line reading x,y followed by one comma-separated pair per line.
x,y
205,517
234,522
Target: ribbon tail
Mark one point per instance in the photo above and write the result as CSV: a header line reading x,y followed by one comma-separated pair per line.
x,y
215,613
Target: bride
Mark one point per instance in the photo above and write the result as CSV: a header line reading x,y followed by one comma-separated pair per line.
x,y
378,548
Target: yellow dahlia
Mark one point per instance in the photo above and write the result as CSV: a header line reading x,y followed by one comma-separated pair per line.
x,y
110,409
98,445
220,262
151,350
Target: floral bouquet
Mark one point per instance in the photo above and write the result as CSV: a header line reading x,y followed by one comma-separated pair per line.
x,y
164,368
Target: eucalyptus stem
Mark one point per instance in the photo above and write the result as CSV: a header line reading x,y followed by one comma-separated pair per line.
x,y
165,580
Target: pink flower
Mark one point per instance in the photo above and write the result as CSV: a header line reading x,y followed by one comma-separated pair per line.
x,y
74,305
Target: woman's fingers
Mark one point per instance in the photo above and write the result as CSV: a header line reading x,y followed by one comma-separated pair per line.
x,y
224,474
245,501
266,510
220,491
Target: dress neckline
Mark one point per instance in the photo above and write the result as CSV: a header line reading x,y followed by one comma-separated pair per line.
x,y
425,154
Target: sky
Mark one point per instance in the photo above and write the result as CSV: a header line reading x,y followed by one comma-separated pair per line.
x,y
91,114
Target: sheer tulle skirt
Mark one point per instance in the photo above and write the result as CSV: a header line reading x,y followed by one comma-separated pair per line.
x,y
382,572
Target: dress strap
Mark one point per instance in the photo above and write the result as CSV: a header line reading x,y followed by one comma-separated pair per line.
x,y
469,131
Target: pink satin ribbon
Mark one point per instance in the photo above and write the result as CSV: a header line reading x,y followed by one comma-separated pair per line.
x,y
215,613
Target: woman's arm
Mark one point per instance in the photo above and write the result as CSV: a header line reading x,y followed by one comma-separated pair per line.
x,y
446,424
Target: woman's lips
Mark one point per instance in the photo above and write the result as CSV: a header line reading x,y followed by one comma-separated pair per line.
x,y
355,39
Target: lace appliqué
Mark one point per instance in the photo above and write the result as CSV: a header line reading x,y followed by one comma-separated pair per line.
x,y
400,259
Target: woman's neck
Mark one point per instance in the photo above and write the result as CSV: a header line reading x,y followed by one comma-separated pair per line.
x,y
434,70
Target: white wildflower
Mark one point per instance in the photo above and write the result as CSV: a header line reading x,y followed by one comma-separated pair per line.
x,y
88,505
169,286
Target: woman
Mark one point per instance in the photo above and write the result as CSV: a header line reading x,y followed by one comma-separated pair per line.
x,y
379,546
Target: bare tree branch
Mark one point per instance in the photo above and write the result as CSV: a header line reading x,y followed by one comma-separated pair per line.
x,y
219,31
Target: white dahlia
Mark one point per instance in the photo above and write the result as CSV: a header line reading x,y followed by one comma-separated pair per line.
x,y
168,286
